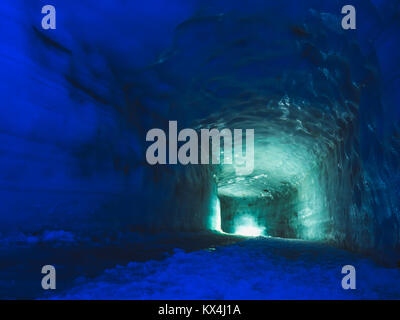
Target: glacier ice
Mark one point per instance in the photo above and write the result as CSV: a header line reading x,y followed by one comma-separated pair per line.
x,y
77,104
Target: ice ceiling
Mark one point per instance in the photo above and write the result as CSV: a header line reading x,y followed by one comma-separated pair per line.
x,y
286,152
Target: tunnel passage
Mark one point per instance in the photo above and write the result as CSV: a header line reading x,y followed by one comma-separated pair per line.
x,y
300,184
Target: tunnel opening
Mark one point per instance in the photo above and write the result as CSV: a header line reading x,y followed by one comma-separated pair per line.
x,y
295,173
287,211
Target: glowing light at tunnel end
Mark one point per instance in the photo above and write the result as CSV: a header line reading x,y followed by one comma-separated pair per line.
x,y
246,226
249,231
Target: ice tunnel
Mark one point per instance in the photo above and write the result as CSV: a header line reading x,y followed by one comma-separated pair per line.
x,y
323,103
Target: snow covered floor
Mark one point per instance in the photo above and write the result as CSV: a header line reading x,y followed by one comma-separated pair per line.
x,y
258,268
80,257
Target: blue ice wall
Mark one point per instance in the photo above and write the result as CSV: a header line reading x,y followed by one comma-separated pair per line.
x,y
78,101
72,133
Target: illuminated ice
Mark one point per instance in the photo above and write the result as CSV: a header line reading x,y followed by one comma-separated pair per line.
x,y
246,226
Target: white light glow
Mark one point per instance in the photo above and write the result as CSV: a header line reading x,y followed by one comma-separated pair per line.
x,y
246,226
218,216
249,231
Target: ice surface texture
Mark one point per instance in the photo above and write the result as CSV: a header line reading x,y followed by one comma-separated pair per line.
x,y
324,103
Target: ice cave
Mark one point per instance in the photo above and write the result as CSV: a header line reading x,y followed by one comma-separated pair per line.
x,y
77,192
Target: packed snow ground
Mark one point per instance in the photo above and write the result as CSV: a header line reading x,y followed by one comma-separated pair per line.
x,y
79,257
259,268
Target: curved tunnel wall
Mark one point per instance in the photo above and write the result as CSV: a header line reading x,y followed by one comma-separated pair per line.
x,y
78,105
